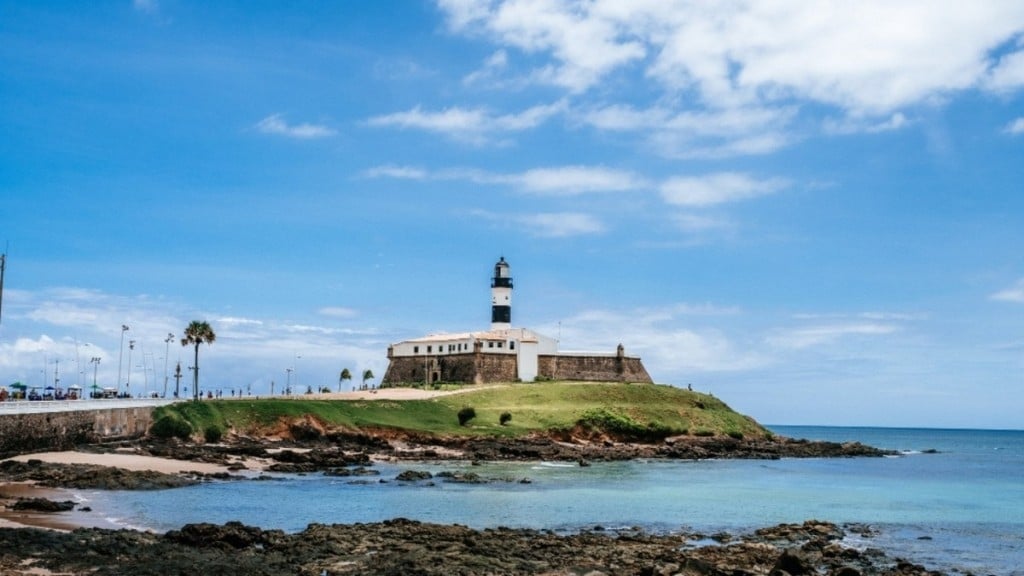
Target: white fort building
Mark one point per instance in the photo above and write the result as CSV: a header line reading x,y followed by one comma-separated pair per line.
x,y
503,353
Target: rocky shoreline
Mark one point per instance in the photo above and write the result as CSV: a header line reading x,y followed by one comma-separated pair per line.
x,y
409,547
340,449
413,548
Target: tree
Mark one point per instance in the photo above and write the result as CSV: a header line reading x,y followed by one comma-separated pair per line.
x,y
367,375
345,375
195,334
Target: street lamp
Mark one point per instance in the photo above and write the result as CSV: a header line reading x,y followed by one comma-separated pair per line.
x,y
288,388
120,358
128,385
167,353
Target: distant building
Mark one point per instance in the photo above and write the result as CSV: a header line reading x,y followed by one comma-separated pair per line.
x,y
503,353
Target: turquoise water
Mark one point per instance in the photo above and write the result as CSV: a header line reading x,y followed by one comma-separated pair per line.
x,y
959,510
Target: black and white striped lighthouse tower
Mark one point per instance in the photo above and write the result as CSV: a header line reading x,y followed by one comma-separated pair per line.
x,y
501,297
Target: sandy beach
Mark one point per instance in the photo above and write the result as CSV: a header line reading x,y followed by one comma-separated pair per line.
x,y
12,491
128,461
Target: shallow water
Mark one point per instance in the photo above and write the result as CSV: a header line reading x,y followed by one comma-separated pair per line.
x,y
959,510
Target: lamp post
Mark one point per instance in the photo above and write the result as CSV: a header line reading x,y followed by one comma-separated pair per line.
x,y
288,388
128,385
167,353
120,358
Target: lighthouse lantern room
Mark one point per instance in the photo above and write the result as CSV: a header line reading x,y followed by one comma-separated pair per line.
x,y
501,297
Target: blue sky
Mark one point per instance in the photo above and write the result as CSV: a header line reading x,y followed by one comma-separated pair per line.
x,y
815,213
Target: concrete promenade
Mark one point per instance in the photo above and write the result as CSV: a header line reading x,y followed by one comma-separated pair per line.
x,y
46,406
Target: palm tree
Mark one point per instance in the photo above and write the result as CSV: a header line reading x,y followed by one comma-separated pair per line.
x,y
345,375
197,333
367,375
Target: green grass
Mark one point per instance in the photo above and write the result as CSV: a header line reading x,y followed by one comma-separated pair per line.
x,y
657,409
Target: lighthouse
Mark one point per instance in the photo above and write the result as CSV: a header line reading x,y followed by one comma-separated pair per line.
x,y
501,297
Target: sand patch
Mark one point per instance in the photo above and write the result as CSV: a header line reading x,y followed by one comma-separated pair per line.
x,y
135,462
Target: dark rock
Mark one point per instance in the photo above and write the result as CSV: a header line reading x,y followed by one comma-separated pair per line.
x,y
43,505
413,476
232,534
462,477
793,563
91,476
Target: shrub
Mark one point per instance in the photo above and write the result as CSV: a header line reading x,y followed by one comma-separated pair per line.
x,y
625,427
505,418
171,426
735,434
704,432
212,434
466,414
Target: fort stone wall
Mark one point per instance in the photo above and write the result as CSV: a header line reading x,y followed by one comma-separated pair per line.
x,y
590,368
482,368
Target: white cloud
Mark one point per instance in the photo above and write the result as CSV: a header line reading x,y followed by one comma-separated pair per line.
x,y
559,224
546,224
397,172
873,55
1008,74
1016,127
701,133
717,189
661,336
493,66
231,321
585,48
470,124
552,181
850,125
1013,294
338,312
866,60
577,180
247,350
810,336
275,124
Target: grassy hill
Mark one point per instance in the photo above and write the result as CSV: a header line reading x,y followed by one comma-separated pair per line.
x,y
641,411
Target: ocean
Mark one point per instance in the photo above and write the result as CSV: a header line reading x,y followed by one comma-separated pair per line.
x,y
953,500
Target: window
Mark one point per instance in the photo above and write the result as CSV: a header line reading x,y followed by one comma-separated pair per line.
x,y
490,344
500,344
512,345
415,349
429,349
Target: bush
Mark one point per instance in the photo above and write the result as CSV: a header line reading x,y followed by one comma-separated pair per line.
x,y
735,434
171,426
625,427
466,414
505,418
212,434
704,433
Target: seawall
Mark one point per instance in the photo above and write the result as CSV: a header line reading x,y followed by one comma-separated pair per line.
x,y
22,433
